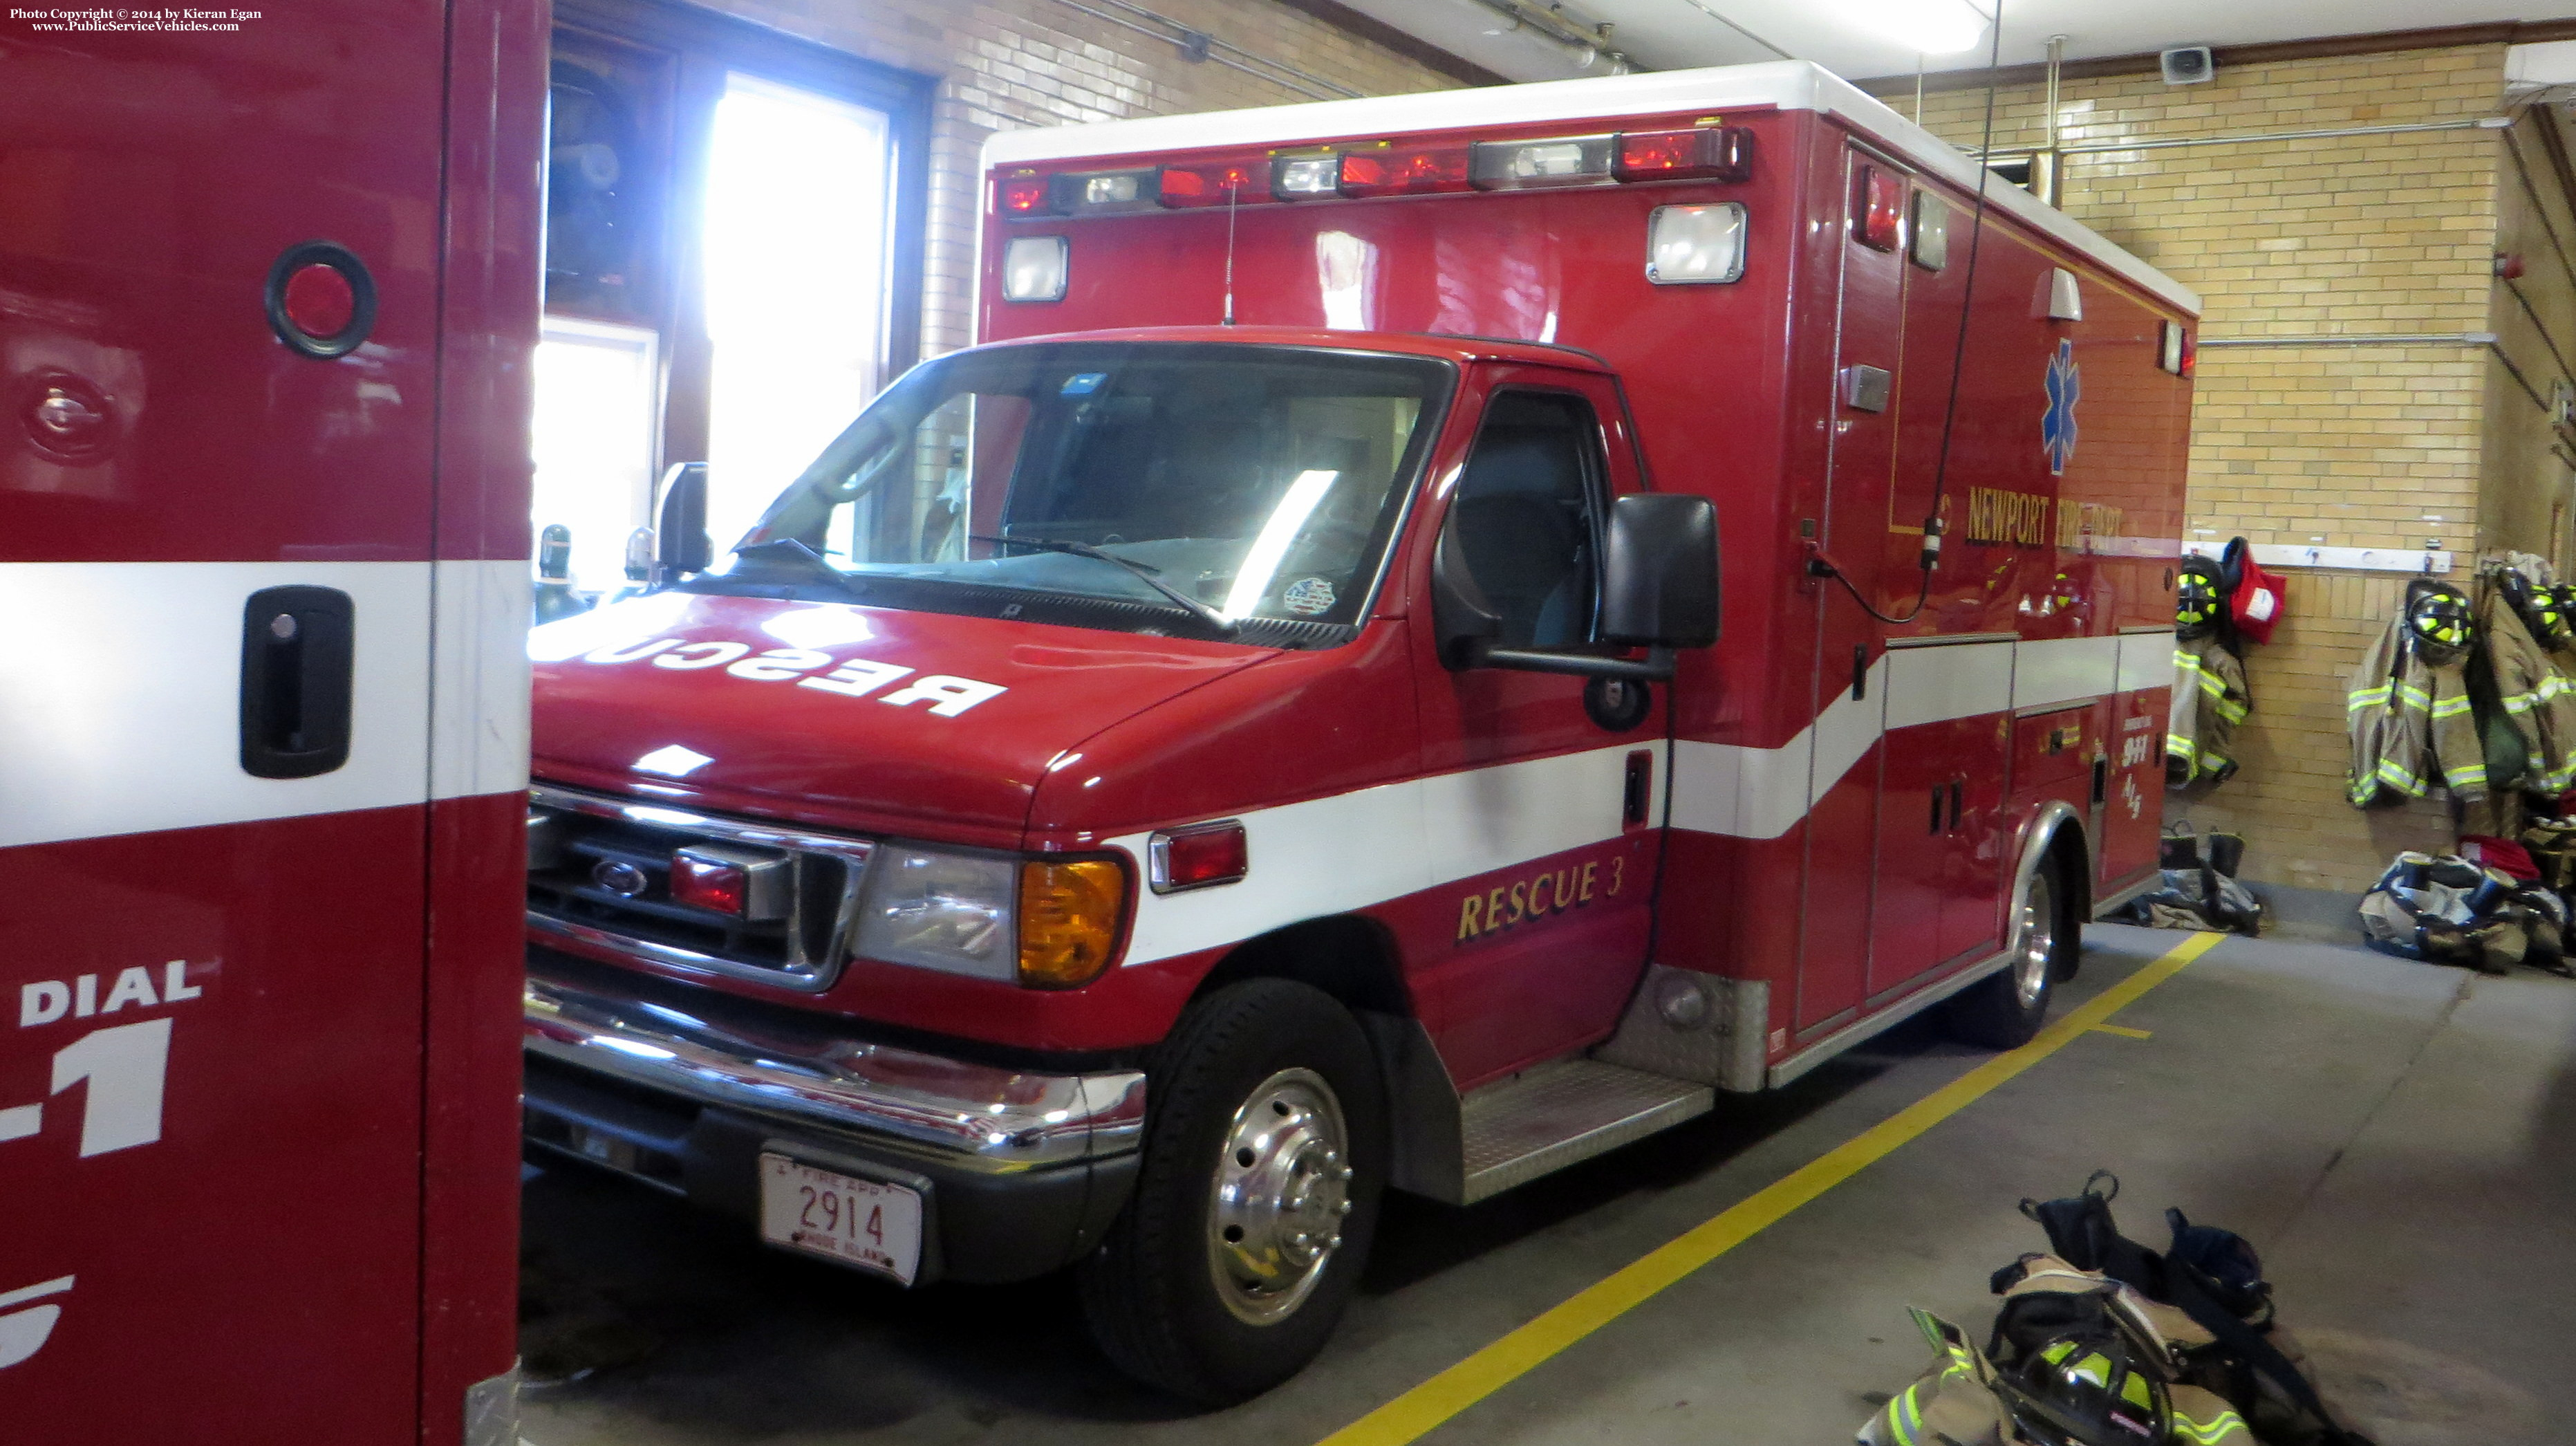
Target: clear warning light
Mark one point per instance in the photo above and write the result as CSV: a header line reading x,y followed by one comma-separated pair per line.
x,y
1693,244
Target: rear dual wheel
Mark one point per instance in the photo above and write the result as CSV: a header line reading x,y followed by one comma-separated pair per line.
x,y
1265,1153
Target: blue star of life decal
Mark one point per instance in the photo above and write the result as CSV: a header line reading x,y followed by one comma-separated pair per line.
x,y
2057,424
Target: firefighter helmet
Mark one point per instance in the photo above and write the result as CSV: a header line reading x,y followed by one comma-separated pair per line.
x,y
2089,1389
2538,608
2562,600
2199,601
2437,617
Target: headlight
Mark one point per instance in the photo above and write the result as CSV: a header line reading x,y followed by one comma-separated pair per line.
x,y
1051,925
940,911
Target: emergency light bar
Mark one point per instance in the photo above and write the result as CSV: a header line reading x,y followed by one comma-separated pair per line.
x,y
1698,153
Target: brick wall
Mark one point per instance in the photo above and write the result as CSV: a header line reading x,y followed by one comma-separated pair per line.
x,y
2352,446
1005,64
2527,503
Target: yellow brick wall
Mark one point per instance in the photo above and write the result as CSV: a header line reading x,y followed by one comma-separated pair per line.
x,y
2527,504
2354,446
1005,64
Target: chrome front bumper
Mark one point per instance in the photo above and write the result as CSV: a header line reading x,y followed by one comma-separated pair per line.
x,y
980,1118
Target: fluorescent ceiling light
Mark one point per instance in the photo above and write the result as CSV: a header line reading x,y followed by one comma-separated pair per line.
x,y
1931,27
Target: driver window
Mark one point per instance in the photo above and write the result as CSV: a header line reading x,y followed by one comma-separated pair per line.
x,y
1525,516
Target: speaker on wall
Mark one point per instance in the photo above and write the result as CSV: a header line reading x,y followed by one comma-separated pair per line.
x,y
2188,65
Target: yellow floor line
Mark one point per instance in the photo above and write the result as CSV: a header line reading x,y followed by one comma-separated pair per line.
x,y
2124,1031
1417,1412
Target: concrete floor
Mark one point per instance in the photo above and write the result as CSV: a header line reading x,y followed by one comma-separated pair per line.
x,y
2398,1139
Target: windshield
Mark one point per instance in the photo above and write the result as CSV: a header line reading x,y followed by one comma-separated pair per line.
x,y
1220,489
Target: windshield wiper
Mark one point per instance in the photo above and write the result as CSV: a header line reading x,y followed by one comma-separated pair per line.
x,y
1150,576
793,550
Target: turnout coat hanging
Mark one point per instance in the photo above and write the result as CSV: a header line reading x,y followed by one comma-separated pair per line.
x,y
2407,709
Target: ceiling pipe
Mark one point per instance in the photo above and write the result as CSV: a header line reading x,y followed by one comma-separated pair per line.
x,y
1518,39
2044,163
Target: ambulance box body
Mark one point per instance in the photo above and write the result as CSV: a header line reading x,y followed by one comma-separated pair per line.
x,y
1436,581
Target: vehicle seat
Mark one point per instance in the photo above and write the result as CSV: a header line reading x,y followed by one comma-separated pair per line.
x,y
1522,535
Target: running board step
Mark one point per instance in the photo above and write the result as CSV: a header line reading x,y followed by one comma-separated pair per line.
x,y
1547,1118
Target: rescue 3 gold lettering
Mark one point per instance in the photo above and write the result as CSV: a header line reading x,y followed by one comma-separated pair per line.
x,y
1551,892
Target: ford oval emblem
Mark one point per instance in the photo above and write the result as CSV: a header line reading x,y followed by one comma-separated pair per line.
x,y
620,878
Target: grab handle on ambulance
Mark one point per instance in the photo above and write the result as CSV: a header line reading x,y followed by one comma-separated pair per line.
x,y
296,681
1659,591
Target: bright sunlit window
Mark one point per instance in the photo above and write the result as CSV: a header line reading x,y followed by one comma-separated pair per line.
x,y
795,251
595,421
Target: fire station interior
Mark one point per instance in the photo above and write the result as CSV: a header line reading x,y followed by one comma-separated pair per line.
x,y
2394,1136
1197,767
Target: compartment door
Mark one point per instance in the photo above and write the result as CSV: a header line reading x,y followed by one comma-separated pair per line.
x,y
1833,968
1949,718
219,554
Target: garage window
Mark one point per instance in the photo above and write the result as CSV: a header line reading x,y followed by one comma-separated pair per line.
x,y
733,244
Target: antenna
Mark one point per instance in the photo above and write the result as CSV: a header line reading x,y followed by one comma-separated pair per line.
x,y
1233,194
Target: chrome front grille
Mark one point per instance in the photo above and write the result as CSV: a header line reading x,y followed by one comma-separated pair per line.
x,y
599,873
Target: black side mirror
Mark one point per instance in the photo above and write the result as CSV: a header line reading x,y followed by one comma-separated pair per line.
x,y
683,547
1659,572
1658,592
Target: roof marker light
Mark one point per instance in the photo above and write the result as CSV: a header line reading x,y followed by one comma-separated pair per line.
x,y
1420,172
1555,161
1702,153
1292,177
1024,195
1215,184
1097,191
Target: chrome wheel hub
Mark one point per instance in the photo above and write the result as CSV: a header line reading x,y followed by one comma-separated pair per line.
x,y
1281,1188
2038,952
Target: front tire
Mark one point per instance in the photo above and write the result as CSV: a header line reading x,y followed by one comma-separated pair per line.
x,y
1266,1150
2004,1010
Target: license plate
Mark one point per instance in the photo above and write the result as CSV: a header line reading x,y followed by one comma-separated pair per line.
x,y
839,1217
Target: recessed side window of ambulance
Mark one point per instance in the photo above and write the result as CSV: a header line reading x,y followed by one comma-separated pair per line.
x,y
1217,491
1531,572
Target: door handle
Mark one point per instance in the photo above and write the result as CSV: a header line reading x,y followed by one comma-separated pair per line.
x,y
1957,788
297,643
1636,789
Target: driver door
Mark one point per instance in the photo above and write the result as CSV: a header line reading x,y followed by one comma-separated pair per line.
x,y
1541,820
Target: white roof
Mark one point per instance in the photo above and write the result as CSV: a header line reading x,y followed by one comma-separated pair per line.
x,y
1786,84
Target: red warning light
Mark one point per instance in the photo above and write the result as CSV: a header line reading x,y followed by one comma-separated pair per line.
x,y
1882,209
1226,182
319,300
1405,173
1023,196
1702,153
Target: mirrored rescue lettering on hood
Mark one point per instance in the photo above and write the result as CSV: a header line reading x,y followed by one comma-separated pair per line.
x,y
807,668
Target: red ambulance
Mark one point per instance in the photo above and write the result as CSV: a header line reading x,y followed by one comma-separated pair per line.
x,y
1257,732
268,293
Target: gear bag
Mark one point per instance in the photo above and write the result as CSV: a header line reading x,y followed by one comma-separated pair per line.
x,y
2241,1362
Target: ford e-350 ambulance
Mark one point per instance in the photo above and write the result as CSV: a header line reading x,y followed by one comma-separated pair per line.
x,y
1257,732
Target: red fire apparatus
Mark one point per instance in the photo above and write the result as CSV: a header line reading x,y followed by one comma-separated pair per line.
x,y
1257,733
268,289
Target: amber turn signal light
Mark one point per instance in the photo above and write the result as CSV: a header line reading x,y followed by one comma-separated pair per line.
x,y
1068,921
